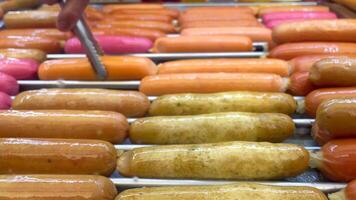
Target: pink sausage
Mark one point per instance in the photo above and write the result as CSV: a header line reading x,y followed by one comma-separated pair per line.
x,y
20,69
8,84
112,44
297,15
5,101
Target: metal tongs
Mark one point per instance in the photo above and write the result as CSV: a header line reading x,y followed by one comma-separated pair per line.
x,y
92,49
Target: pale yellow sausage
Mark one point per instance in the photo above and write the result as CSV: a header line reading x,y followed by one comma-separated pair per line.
x,y
192,104
209,128
230,160
240,191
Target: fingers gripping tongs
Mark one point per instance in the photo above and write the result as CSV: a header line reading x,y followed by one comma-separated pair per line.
x,y
92,49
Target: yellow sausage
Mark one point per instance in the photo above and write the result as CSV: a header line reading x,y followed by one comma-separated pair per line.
x,y
56,187
209,128
56,156
240,191
230,160
70,124
128,103
192,104
35,54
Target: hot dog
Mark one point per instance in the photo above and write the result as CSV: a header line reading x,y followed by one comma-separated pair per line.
x,y
334,72
193,104
346,194
230,160
128,103
136,32
8,84
224,23
48,45
154,25
297,15
320,136
189,17
34,54
267,10
242,191
5,101
69,187
258,34
100,125
56,156
112,44
220,9
162,11
51,33
216,43
18,4
336,117
273,23
141,6
192,129
251,65
336,160
20,69
141,17
315,98
300,85
31,19
342,30
118,67
211,82
292,50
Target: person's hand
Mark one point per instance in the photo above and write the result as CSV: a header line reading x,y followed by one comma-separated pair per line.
x,y
70,13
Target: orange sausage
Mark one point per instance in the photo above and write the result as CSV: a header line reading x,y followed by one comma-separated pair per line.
x,y
267,10
168,12
320,136
224,23
251,65
93,14
339,30
18,4
334,72
300,84
219,9
31,19
51,33
292,50
189,17
142,6
142,17
136,32
258,34
349,193
217,43
315,98
48,45
154,25
337,160
118,67
304,63
211,82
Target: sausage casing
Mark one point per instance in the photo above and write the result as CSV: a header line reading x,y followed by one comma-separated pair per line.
x,y
70,124
192,104
31,19
270,127
59,187
56,156
241,191
230,160
35,54
128,103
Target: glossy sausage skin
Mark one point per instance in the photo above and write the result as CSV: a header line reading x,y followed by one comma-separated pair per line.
x,y
211,82
34,54
342,30
31,19
291,50
220,9
215,43
118,67
8,84
193,129
227,65
141,17
70,124
193,104
161,11
242,191
337,160
142,6
18,4
315,98
337,117
37,32
5,101
56,187
48,45
334,72
56,156
224,23
298,16
300,85
154,25
151,34
230,160
233,16
320,136
293,9
128,103
20,69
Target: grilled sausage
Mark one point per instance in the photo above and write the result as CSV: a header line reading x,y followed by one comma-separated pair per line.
x,y
34,54
37,32
31,19
231,160
48,45
349,193
129,103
